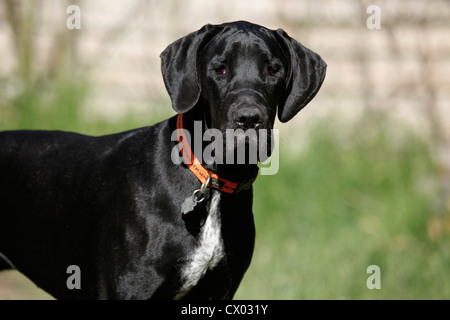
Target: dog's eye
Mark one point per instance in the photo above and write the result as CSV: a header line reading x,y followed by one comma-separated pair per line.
x,y
221,70
271,71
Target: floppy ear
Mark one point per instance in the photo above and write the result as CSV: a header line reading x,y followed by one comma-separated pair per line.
x,y
305,75
179,63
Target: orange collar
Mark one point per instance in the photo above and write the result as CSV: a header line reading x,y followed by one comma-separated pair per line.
x,y
201,172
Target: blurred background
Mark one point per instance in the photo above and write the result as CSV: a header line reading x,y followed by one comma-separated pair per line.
x,y
364,174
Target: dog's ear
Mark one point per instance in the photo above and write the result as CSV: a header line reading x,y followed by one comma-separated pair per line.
x,y
305,75
179,66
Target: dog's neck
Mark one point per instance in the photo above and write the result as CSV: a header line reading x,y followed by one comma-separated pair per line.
x,y
233,172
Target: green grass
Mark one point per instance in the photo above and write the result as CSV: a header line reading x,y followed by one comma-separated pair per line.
x,y
345,204
355,196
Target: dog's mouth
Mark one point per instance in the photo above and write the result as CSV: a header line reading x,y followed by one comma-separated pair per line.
x,y
248,146
241,142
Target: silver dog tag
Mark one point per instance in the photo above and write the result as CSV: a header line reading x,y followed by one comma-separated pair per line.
x,y
188,205
198,196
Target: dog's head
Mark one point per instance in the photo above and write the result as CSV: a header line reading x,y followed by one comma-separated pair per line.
x,y
241,72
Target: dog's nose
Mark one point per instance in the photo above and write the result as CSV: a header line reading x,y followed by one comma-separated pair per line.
x,y
248,118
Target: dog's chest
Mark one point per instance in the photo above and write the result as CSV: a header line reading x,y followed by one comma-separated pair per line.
x,y
208,252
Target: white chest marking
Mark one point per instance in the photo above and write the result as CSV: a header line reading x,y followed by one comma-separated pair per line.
x,y
209,251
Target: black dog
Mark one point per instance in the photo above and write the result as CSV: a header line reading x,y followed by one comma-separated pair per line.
x,y
136,223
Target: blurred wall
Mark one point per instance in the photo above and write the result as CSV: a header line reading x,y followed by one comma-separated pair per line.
x,y
404,67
